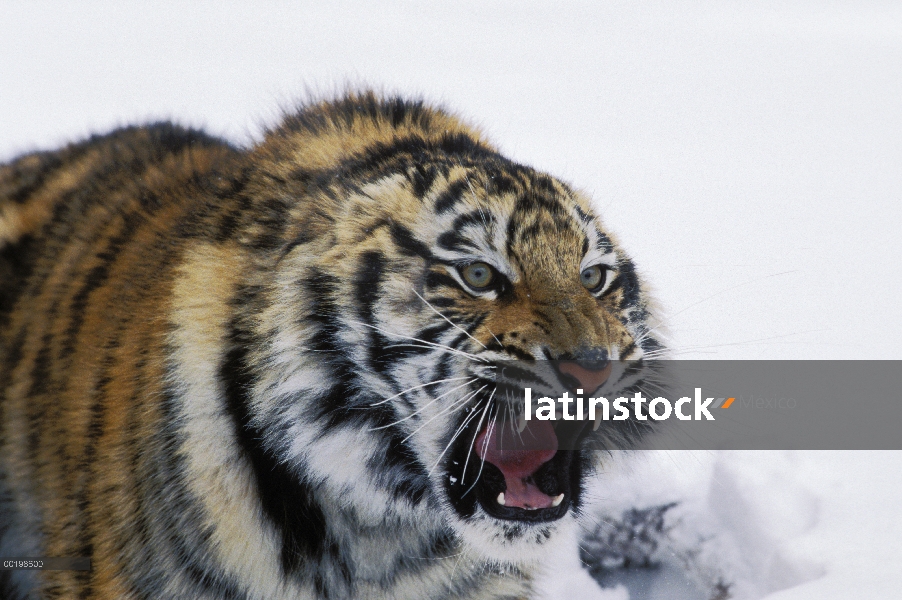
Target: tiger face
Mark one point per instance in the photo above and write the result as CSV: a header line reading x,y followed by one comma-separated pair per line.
x,y
444,270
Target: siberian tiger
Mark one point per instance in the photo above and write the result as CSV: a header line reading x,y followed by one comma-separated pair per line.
x,y
267,373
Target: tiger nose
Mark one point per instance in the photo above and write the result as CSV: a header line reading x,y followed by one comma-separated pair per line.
x,y
587,370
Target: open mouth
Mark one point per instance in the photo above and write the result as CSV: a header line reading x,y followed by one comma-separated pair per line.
x,y
528,473
518,470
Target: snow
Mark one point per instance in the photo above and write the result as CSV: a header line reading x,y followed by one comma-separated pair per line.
x,y
775,525
747,154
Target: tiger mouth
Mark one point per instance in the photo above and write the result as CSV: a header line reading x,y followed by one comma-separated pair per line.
x,y
528,473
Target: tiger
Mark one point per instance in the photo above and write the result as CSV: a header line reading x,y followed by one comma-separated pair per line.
x,y
266,372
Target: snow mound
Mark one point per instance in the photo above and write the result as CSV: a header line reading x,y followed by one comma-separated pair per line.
x,y
687,525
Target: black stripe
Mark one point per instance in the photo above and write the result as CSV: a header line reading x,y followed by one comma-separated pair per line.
x,y
650,344
336,408
229,221
443,367
461,144
409,478
95,278
500,182
544,329
87,462
395,109
303,238
583,215
477,217
408,243
422,177
404,152
468,328
452,240
70,208
380,155
386,353
383,352
208,579
41,375
165,138
604,243
13,355
169,517
139,540
367,283
41,380
628,281
172,139
528,233
532,201
443,302
520,354
321,289
435,279
432,333
31,180
449,198
544,183
513,223
287,501
625,351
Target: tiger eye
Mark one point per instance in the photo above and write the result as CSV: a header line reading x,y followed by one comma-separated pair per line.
x,y
478,275
592,277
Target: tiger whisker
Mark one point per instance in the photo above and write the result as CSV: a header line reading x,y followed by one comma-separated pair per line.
x,y
473,193
433,557
422,408
456,405
421,341
454,570
478,425
656,353
450,322
423,344
494,337
457,433
485,444
422,385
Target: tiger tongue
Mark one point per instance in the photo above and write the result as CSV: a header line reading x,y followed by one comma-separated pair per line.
x,y
518,455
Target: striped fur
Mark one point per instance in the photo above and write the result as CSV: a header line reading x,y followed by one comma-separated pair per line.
x,y
212,359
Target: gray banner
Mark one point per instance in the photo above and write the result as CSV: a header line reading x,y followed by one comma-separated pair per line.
x,y
754,405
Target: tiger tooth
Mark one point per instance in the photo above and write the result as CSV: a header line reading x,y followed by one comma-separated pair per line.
x,y
501,498
597,423
556,501
521,423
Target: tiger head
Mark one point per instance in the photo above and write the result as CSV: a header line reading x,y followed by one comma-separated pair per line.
x,y
424,262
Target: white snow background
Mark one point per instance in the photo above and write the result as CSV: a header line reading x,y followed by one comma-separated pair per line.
x,y
748,155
